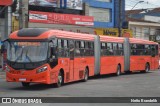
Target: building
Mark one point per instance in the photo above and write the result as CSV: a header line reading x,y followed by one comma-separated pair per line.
x,y
5,18
144,24
152,14
84,15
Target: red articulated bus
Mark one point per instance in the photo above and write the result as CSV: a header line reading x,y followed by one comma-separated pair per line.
x,y
38,55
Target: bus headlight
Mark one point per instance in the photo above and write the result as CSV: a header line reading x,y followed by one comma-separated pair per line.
x,y
42,69
7,69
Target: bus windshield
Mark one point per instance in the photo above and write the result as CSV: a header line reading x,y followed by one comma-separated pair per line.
x,y
27,51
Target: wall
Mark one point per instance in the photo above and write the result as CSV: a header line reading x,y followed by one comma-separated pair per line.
x,y
152,18
72,28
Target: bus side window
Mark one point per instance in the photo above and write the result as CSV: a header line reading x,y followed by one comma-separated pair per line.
x,y
59,43
86,48
140,49
77,51
110,49
153,50
115,49
71,49
133,49
66,50
91,48
147,50
120,49
156,49
53,52
82,48
103,47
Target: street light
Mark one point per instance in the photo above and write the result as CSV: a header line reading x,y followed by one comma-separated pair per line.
x,y
136,4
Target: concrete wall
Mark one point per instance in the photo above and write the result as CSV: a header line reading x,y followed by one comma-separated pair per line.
x,y
72,28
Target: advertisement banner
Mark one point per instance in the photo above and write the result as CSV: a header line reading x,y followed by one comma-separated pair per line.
x,y
107,31
5,2
75,4
44,3
56,18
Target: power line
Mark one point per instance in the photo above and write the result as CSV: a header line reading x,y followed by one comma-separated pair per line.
x,y
146,3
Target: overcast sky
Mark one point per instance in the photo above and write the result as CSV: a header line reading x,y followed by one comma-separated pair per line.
x,y
146,4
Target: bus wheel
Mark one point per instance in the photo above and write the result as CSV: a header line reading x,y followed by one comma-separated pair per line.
x,y
85,75
147,68
118,70
25,84
60,80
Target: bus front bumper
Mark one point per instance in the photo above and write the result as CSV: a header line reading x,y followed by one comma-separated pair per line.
x,y
34,78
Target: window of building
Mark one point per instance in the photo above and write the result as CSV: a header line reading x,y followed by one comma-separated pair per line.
x,y
100,15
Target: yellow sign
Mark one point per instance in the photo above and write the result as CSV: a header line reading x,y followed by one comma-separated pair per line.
x,y
127,33
107,31
113,32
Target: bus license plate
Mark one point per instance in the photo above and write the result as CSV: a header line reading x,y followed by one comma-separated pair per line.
x,y
22,79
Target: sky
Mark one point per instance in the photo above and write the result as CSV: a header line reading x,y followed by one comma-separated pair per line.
x,y
144,5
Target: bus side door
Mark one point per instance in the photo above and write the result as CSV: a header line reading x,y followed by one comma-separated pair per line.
x,y
71,60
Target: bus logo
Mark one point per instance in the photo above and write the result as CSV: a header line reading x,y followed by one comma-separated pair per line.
x,y
6,100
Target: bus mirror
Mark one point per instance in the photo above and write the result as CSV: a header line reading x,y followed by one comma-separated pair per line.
x,y
52,58
2,49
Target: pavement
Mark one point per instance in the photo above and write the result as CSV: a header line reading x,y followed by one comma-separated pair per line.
x,y
127,85
2,75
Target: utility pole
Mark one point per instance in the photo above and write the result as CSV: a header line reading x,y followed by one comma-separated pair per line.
x,y
23,14
120,19
20,15
8,22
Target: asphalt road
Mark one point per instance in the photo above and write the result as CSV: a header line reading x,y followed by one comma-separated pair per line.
x,y
127,85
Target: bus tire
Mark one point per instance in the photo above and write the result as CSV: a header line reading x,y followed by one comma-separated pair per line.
x,y
118,72
86,75
147,68
25,84
60,80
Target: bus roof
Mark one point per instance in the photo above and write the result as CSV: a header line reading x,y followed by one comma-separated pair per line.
x,y
44,33
141,41
111,39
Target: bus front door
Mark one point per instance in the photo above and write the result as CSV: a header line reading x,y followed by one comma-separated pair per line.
x,y
71,60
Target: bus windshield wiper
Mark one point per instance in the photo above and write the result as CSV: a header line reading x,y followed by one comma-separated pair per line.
x,y
28,57
18,57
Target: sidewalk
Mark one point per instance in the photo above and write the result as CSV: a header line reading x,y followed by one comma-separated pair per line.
x,y
2,75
